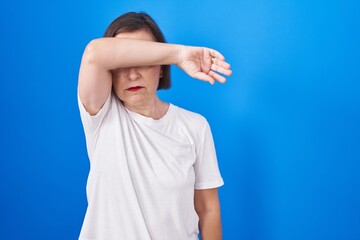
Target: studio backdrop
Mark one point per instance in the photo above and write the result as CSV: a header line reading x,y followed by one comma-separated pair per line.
x,y
286,123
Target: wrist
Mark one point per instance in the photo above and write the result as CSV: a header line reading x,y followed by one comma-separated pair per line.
x,y
179,54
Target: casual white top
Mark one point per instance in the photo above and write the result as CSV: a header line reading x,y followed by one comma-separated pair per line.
x,y
143,173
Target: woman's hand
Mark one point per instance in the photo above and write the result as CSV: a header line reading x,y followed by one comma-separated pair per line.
x,y
204,64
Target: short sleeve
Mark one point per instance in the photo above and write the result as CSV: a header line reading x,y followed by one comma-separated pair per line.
x,y
207,173
91,123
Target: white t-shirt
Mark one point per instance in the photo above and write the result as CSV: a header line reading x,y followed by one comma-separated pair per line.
x,y
143,173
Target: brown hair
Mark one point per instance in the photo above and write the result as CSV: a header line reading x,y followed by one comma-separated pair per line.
x,y
132,22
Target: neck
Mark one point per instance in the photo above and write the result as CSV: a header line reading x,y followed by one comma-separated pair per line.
x,y
154,108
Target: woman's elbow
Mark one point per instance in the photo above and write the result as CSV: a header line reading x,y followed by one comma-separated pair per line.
x,y
91,53
208,210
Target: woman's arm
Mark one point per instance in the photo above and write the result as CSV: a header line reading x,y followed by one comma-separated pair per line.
x,y
207,206
106,54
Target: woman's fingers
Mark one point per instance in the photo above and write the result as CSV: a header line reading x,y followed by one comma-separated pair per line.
x,y
220,66
217,76
211,77
214,67
218,63
222,63
205,77
223,68
217,55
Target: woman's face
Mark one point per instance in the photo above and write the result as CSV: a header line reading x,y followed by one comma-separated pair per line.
x,y
136,85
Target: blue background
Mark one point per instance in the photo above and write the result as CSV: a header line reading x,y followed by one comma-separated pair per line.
x,y
286,124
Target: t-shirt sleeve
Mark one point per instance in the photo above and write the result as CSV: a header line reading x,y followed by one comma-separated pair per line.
x,y
207,173
92,123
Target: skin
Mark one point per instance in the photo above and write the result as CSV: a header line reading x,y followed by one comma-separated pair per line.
x,y
144,101
207,206
120,63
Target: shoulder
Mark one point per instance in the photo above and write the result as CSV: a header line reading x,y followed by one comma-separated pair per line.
x,y
182,112
190,118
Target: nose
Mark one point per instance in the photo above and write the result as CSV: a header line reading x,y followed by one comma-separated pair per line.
x,y
132,73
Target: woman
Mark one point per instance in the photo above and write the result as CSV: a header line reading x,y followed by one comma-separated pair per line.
x,y
153,168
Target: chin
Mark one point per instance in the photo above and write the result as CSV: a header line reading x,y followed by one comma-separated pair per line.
x,y
134,100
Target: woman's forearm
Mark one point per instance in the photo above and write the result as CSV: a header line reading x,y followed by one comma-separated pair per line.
x,y
210,225
113,53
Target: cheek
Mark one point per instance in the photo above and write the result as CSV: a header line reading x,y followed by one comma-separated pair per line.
x,y
118,85
155,77
116,80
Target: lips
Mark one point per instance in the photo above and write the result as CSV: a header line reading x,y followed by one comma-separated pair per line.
x,y
134,89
